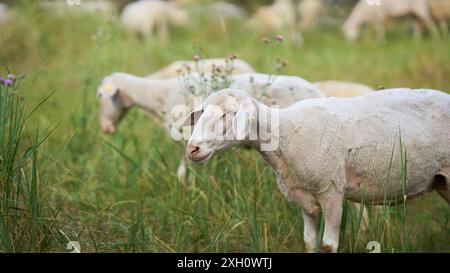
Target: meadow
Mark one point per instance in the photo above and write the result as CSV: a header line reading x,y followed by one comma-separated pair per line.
x,y
120,193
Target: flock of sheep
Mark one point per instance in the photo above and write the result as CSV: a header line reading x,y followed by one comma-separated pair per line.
x,y
147,17
332,140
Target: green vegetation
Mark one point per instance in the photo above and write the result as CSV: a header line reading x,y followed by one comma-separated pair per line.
x,y
67,182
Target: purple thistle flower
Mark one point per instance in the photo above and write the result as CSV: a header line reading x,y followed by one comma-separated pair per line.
x,y
232,56
9,82
2,80
196,58
279,38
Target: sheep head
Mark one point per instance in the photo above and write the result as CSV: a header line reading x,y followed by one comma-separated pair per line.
x,y
113,105
224,119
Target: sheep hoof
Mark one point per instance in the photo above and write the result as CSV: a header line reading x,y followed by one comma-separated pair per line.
x,y
327,248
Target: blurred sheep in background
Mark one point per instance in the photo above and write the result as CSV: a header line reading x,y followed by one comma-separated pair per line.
x,y
334,88
145,17
378,15
226,10
94,6
310,13
276,17
213,11
212,65
103,6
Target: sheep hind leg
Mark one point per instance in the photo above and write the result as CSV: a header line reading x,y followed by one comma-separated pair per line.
x,y
310,211
332,212
441,183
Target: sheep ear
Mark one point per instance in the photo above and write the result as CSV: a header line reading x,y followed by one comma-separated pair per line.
x,y
241,121
108,90
193,117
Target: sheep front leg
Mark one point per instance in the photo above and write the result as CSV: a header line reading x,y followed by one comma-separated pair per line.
x,y
310,230
332,212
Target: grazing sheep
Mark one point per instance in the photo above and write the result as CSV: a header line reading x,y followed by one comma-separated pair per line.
x,y
203,66
378,15
440,11
120,91
360,148
342,89
275,17
147,16
310,13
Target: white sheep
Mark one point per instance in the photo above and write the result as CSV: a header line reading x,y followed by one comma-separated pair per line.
x,y
204,65
440,10
310,13
276,17
147,16
379,14
342,89
120,91
382,147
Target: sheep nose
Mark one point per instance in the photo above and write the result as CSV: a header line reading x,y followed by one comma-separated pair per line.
x,y
192,150
107,127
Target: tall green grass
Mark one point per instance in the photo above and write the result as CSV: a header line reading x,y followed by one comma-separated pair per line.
x,y
27,221
120,193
